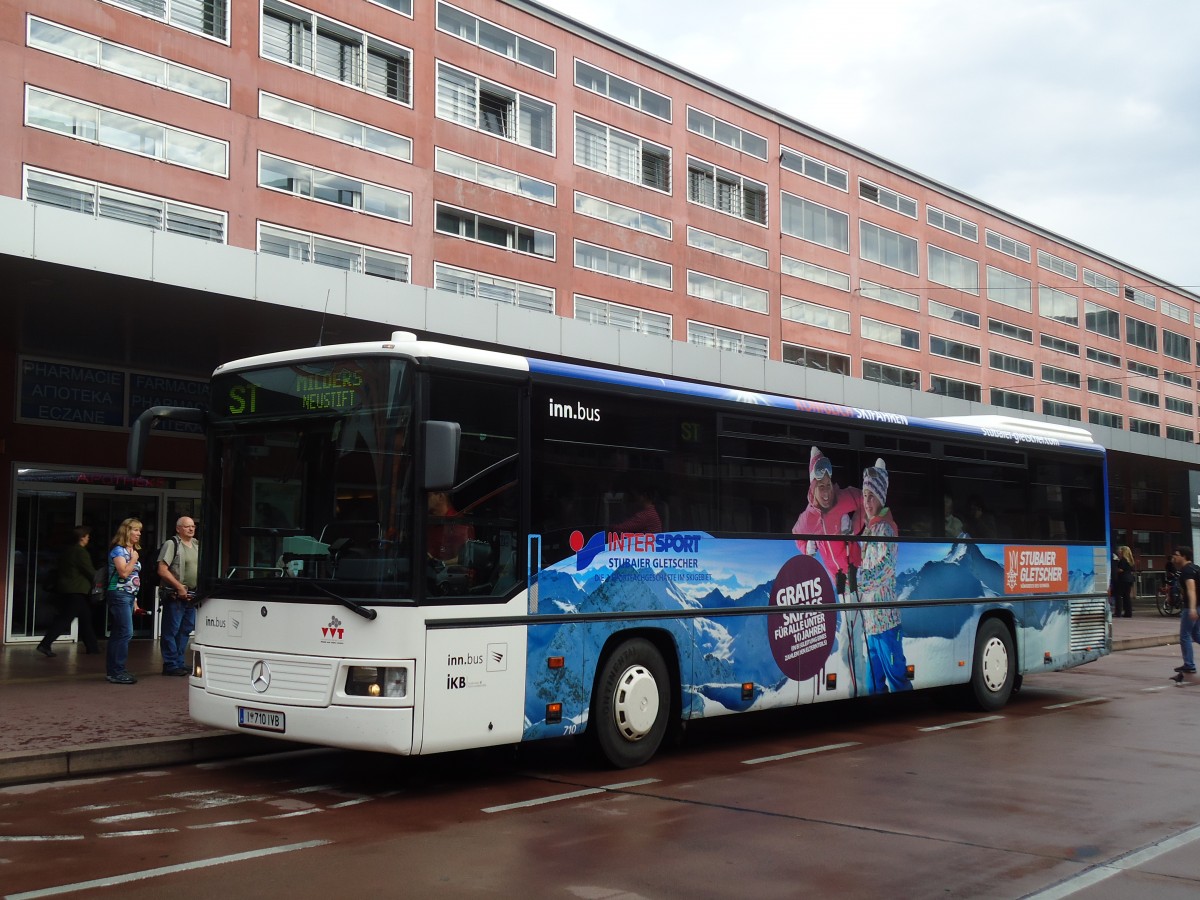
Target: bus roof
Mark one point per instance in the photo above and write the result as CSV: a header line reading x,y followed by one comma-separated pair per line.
x,y
403,343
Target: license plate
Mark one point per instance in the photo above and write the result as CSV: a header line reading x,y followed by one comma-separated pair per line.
x,y
262,719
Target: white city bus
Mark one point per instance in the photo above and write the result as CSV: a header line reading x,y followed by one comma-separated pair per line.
x,y
412,547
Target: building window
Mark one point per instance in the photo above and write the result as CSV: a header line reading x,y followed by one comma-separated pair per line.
x,y
113,57
1142,369
488,175
466,283
1054,375
104,201
1177,346
297,37
1062,410
618,264
807,313
950,313
1007,245
626,318
813,222
1058,345
893,375
1102,321
207,17
404,7
940,346
624,216
1141,334
1057,264
724,133
799,268
621,155
1058,305
727,340
888,248
952,224
1145,398
622,90
1107,419
276,240
1175,378
726,191
1141,426
961,390
1012,364
719,290
1175,311
812,358
1008,330
1105,387
493,38
1011,400
121,131
473,226
1009,289
1105,359
811,167
881,196
728,247
1140,297
1179,434
893,296
1101,282
307,181
494,109
953,270
887,333
1176,405
338,128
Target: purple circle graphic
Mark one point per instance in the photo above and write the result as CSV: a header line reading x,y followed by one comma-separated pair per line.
x,y
802,636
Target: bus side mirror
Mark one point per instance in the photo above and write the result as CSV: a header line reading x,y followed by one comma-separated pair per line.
x,y
441,454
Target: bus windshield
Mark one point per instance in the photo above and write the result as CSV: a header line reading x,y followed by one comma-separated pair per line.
x,y
311,478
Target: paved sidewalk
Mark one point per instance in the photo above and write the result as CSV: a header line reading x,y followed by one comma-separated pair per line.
x,y
59,717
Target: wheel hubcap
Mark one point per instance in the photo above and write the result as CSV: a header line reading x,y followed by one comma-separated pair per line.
x,y
995,664
635,705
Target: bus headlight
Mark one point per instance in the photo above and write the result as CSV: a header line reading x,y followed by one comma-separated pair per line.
x,y
376,681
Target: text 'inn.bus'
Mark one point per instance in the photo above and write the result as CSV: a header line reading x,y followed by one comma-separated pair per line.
x,y
413,547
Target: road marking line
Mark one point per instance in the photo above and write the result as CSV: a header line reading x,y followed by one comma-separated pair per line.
x,y
311,788
224,824
128,817
961,724
622,785
1104,871
33,838
164,870
292,815
1148,690
795,753
354,802
1077,703
587,792
145,832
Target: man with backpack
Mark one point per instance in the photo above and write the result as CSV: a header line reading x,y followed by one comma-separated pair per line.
x,y
178,573
1189,618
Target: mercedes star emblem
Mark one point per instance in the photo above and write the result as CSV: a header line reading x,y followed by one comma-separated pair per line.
x,y
260,676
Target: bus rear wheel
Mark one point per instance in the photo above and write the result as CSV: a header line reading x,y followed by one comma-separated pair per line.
x,y
632,703
994,670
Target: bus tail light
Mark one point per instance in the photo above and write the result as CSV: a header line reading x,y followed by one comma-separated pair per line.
x,y
197,666
376,681
831,681
910,672
553,713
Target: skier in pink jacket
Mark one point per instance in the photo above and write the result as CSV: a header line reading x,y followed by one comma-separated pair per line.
x,y
837,512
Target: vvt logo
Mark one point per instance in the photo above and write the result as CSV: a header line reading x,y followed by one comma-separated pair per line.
x,y
334,630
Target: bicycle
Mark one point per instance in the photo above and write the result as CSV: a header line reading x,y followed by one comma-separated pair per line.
x,y
1169,601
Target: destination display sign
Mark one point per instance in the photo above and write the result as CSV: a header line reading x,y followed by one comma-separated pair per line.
x,y
311,388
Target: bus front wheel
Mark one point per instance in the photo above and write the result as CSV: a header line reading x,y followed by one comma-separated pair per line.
x,y
632,704
994,671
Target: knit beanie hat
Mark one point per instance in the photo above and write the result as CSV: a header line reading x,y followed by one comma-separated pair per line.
x,y
875,480
819,465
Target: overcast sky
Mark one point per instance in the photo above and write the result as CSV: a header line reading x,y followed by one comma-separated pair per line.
x,y
1081,116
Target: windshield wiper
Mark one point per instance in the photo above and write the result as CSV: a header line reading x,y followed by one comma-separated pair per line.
x,y
365,611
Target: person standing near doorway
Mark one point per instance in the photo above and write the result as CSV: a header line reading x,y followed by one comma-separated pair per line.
x,y
178,573
124,582
73,584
